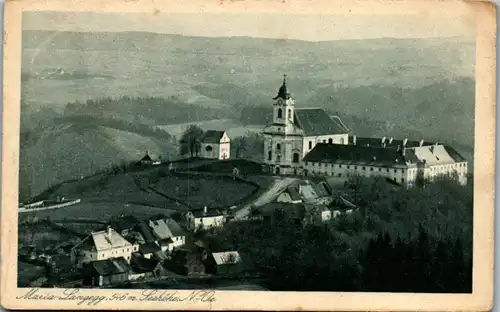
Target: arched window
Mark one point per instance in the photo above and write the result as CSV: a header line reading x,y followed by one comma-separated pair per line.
x,y
269,155
330,140
278,147
280,113
208,148
289,114
341,140
295,157
310,144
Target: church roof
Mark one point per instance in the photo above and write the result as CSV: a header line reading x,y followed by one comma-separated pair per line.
x,y
283,91
212,136
315,121
324,152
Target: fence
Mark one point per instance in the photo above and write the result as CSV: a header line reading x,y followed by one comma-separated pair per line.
x,y
70,203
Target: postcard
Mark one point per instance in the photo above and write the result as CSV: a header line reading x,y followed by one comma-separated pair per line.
x,y
248,155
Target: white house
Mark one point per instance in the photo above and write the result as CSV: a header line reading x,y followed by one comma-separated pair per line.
x,y
102,245
205,218
215,144
169,232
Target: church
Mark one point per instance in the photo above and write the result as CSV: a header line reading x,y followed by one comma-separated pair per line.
x,y
307,141
294,132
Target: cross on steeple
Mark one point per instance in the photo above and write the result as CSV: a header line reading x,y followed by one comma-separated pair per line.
x,y
284,79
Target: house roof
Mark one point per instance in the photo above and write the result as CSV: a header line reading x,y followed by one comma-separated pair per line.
x,y
432,155
146,158
321,189
293,192
148,248
291,211
315,121
338,153
227,257
342,204
211,212
124,223
166,228
104,240
142,265
146,232
212,136
307,191
110,266
454,154
175,228
389,142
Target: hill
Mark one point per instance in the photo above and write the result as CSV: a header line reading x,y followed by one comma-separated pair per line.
x,y
70,149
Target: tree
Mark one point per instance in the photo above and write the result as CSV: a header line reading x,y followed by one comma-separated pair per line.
x,y
190,142
240,146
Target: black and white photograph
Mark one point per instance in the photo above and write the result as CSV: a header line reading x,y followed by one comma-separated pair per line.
x,y
277,152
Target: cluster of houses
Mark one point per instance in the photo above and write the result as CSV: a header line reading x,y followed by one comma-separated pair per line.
x,y
130,249
307,203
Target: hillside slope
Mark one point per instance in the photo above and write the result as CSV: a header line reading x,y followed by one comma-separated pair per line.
x,y
70,150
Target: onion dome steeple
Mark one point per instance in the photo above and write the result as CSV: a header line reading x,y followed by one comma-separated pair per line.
x,y
283,91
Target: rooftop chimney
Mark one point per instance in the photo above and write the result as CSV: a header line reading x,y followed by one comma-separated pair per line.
x,y
354,139
421,143
383,140
405,141
108,229
205,210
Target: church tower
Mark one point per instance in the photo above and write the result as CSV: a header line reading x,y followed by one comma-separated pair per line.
x,y
283,107
282,138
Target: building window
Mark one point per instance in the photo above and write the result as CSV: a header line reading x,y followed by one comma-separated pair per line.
x,y
280,113
340,174
324,141
278,147
402,180
296,158
395,170
278,158
208,148
269,155
379,169
310,144
340,166
371,169
364,168
289,114
341,140
330,140
387,169
356,167
347,166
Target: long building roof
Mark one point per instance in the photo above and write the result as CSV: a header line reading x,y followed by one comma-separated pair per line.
x,y
316,122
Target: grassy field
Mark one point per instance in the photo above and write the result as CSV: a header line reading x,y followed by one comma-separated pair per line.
x,y
199,191
101,211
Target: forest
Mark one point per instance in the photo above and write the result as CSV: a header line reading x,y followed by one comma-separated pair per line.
x,y
417,240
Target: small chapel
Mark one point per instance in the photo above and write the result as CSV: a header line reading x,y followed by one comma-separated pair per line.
x,y
294,132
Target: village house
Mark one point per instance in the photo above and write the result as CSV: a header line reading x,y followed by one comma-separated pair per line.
x,y
148,161
106,272
340,205
169,233
223,263
205,218
102,245
318,193
143,268
124,224
275,212
186,261
317,214
215,144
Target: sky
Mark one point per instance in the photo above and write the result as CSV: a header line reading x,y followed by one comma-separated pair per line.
x,y
310,27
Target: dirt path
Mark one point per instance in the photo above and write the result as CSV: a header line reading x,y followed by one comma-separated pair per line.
x,y
276,187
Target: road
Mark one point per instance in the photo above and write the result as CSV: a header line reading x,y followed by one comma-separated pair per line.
x,y
277,187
